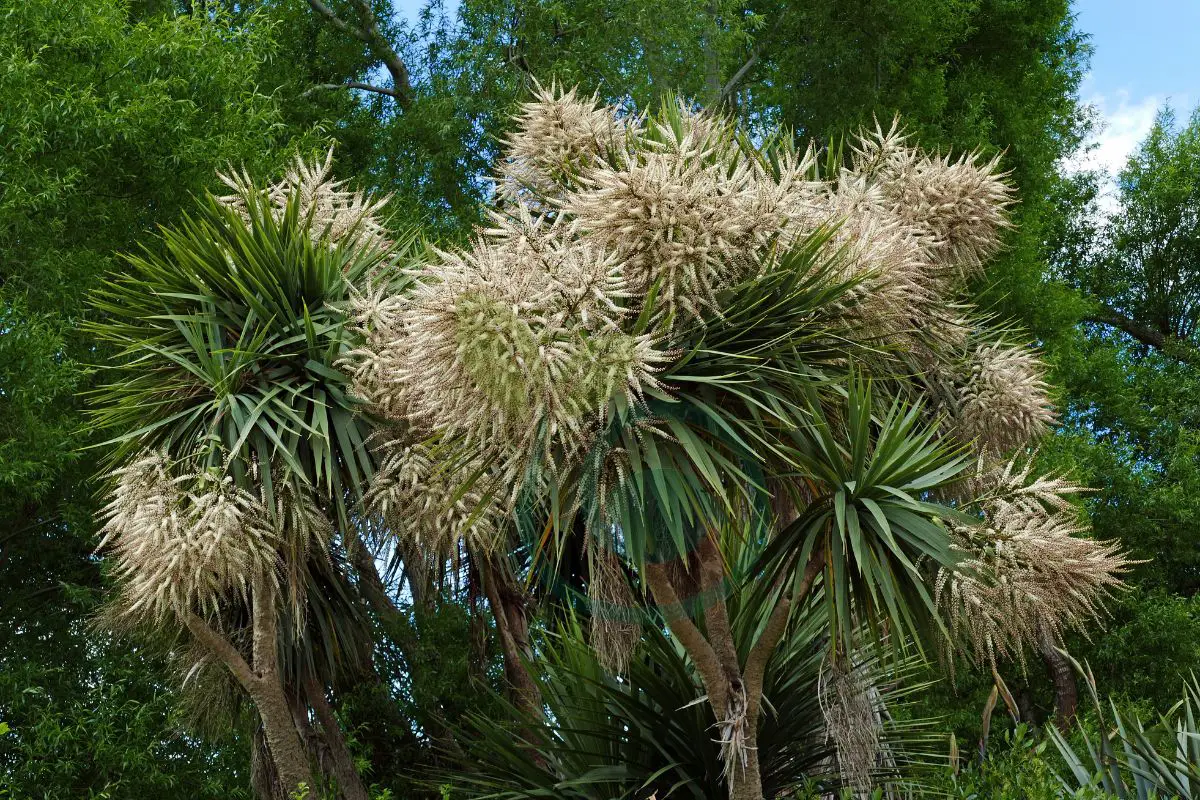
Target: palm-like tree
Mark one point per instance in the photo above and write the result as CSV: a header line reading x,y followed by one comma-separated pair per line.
x,y
238,453
642,733
669,331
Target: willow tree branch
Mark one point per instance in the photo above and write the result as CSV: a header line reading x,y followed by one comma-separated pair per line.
x,y
732,84
1146,334
383,49
366,87
367,32
337,22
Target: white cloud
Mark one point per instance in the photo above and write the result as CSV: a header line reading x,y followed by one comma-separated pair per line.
x,y
1123,129
1123,124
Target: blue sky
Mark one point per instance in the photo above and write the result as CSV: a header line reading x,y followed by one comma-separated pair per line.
x,y
1145,53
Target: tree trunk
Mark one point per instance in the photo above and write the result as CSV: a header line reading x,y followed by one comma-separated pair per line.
x,y
1025,705
263,683
350,784
283,739
1066,692
264,781
512,629
746,784
714,654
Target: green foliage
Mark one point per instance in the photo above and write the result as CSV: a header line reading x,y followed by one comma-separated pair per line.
x,y
226,338
644,732
103,724
1148,275
112,115
1017,767
1152,639
110,123
1128,760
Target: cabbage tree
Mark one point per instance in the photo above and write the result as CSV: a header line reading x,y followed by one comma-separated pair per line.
x,y
237,451
668,329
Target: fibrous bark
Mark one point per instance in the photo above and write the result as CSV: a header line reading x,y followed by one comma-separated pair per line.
x,y
734,689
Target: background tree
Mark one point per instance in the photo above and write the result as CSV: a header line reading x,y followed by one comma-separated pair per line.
x,y
113,115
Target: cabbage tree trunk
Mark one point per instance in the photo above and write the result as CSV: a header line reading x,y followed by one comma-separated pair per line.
x,y
1066,691
264,683
734,688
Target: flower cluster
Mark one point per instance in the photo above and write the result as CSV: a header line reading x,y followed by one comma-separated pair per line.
x,y
956,205
421,497
1027,575
1004,403
557,134
615,238
523,337
183,543
335,215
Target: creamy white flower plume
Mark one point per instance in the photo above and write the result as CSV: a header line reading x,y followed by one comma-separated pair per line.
x,y
1028,571
682,225
512,343
897,293
336,215
183,544
420,494
960,204
557,135
1004,402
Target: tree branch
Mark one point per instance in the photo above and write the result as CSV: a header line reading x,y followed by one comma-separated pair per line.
x,y
385,52
223,650
760,653
366,87
266,627
1146,334
716,611
337,22
508,610
731,85
708,664
368,33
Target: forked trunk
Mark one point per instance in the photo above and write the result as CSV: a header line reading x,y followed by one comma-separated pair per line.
x,y
266,690
264,684
715,656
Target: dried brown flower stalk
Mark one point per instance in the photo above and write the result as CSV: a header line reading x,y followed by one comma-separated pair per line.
x,y
849,708
615,626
